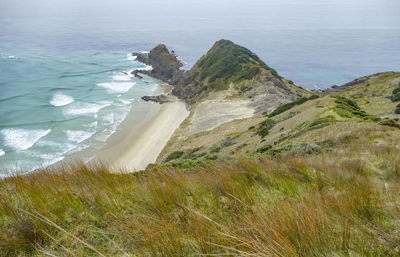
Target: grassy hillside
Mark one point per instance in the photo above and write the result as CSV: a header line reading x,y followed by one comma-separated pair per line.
x,y
307,122
374,93
339,203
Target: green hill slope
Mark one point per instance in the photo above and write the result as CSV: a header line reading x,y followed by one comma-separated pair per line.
x,y
228,64
311,124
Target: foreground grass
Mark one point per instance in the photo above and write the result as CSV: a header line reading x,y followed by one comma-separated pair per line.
x,y
340,203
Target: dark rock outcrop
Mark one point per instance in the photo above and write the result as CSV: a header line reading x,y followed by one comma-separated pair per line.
x,y
166,65
136,74
161,99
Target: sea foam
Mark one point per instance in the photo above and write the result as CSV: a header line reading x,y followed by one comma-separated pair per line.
x,y
61,100
86,108
122,76
109,118
117,87
2,152
146,67
131,57
78,136
22,139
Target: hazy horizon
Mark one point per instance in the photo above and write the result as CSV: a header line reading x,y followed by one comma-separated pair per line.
x,y
289,14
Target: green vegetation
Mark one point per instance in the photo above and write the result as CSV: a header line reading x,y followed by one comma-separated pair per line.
x,y
281,109
314,96
332,204
228,62
183,164
174,155
347,108
193,154
396,97
285,107
249,72
264,127
215,149
264,148
397,111
396,94
390,123
322,122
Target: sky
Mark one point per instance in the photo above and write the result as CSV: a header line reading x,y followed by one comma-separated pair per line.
x,y
279,14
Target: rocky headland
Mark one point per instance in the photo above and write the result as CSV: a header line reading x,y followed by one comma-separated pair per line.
x,y
165,65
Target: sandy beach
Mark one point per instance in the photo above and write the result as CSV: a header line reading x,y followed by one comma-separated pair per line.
x,y
135,147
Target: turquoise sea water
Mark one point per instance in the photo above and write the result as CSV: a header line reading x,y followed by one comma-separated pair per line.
x,y
54,105
62,89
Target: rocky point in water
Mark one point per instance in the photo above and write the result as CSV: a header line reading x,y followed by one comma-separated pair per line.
x,y
165,65
161,99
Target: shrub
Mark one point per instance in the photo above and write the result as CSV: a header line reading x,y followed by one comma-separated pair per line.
x,y
300,100
211,156
395,91
349,106
322,122
264,148
371,117
264,127
285,107
174,155
281,109
314,96
396,97
390,123
397,111
193,154
215,149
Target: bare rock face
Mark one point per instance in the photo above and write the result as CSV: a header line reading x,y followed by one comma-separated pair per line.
x,y
166,65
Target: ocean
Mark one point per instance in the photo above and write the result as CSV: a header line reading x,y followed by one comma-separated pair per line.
x,y
62,87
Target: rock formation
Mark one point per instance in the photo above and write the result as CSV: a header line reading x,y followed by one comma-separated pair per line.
x,y
165,65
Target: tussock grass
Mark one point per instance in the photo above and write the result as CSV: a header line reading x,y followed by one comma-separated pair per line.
x,y
341,203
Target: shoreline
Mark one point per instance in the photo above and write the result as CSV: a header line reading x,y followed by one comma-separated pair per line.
x,y
137,141
135,145
151,138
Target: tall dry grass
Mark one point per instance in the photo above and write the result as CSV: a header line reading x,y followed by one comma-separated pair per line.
x,y
340,203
